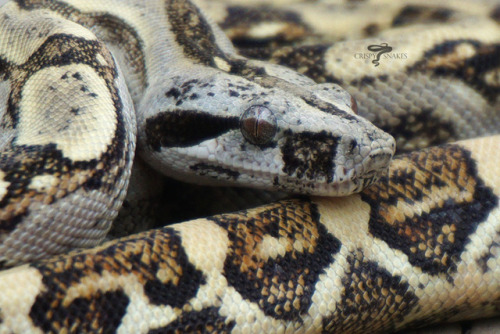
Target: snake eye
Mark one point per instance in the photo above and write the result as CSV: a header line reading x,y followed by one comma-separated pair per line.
x,y
354,105
258,125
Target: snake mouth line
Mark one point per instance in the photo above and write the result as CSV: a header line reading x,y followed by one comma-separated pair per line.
x,y
336,189
337,182
227,175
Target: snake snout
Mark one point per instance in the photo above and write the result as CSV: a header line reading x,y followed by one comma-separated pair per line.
x,y
378,160
378,157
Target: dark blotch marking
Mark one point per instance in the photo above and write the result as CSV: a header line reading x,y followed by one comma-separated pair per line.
x,y
106,309
242,68
142,256
426,125
171,293
173,92
366,80
283,285
413,14
182,92
363,307
276,181
112,29
23,163
192,32
492,249
239,20
371,30
208,320
182,128
308,60
75,111
4,69
120,32
309,155
208,170
435,239
260,53
441,14
470,70
328,108
495,14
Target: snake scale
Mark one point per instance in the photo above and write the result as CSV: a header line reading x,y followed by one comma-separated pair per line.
x,y
372,243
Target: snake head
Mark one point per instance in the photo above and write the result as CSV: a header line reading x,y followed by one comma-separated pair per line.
x,y
264,126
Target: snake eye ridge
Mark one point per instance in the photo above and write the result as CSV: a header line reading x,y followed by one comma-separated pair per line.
x,y
258,125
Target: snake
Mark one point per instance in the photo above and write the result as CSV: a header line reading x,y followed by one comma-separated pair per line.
x,y
94,95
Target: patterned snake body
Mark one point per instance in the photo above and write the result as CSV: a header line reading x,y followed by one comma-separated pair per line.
x,y
420,245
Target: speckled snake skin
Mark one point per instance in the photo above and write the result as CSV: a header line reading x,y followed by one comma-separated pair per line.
x,y
374,244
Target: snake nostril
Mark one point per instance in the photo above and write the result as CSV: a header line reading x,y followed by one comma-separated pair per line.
x,y
379,161
352,145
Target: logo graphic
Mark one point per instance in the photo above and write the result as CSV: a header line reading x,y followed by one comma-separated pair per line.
x,y
380,49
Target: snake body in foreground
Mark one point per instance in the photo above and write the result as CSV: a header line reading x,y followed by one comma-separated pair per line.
x,y
309,265
415,242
